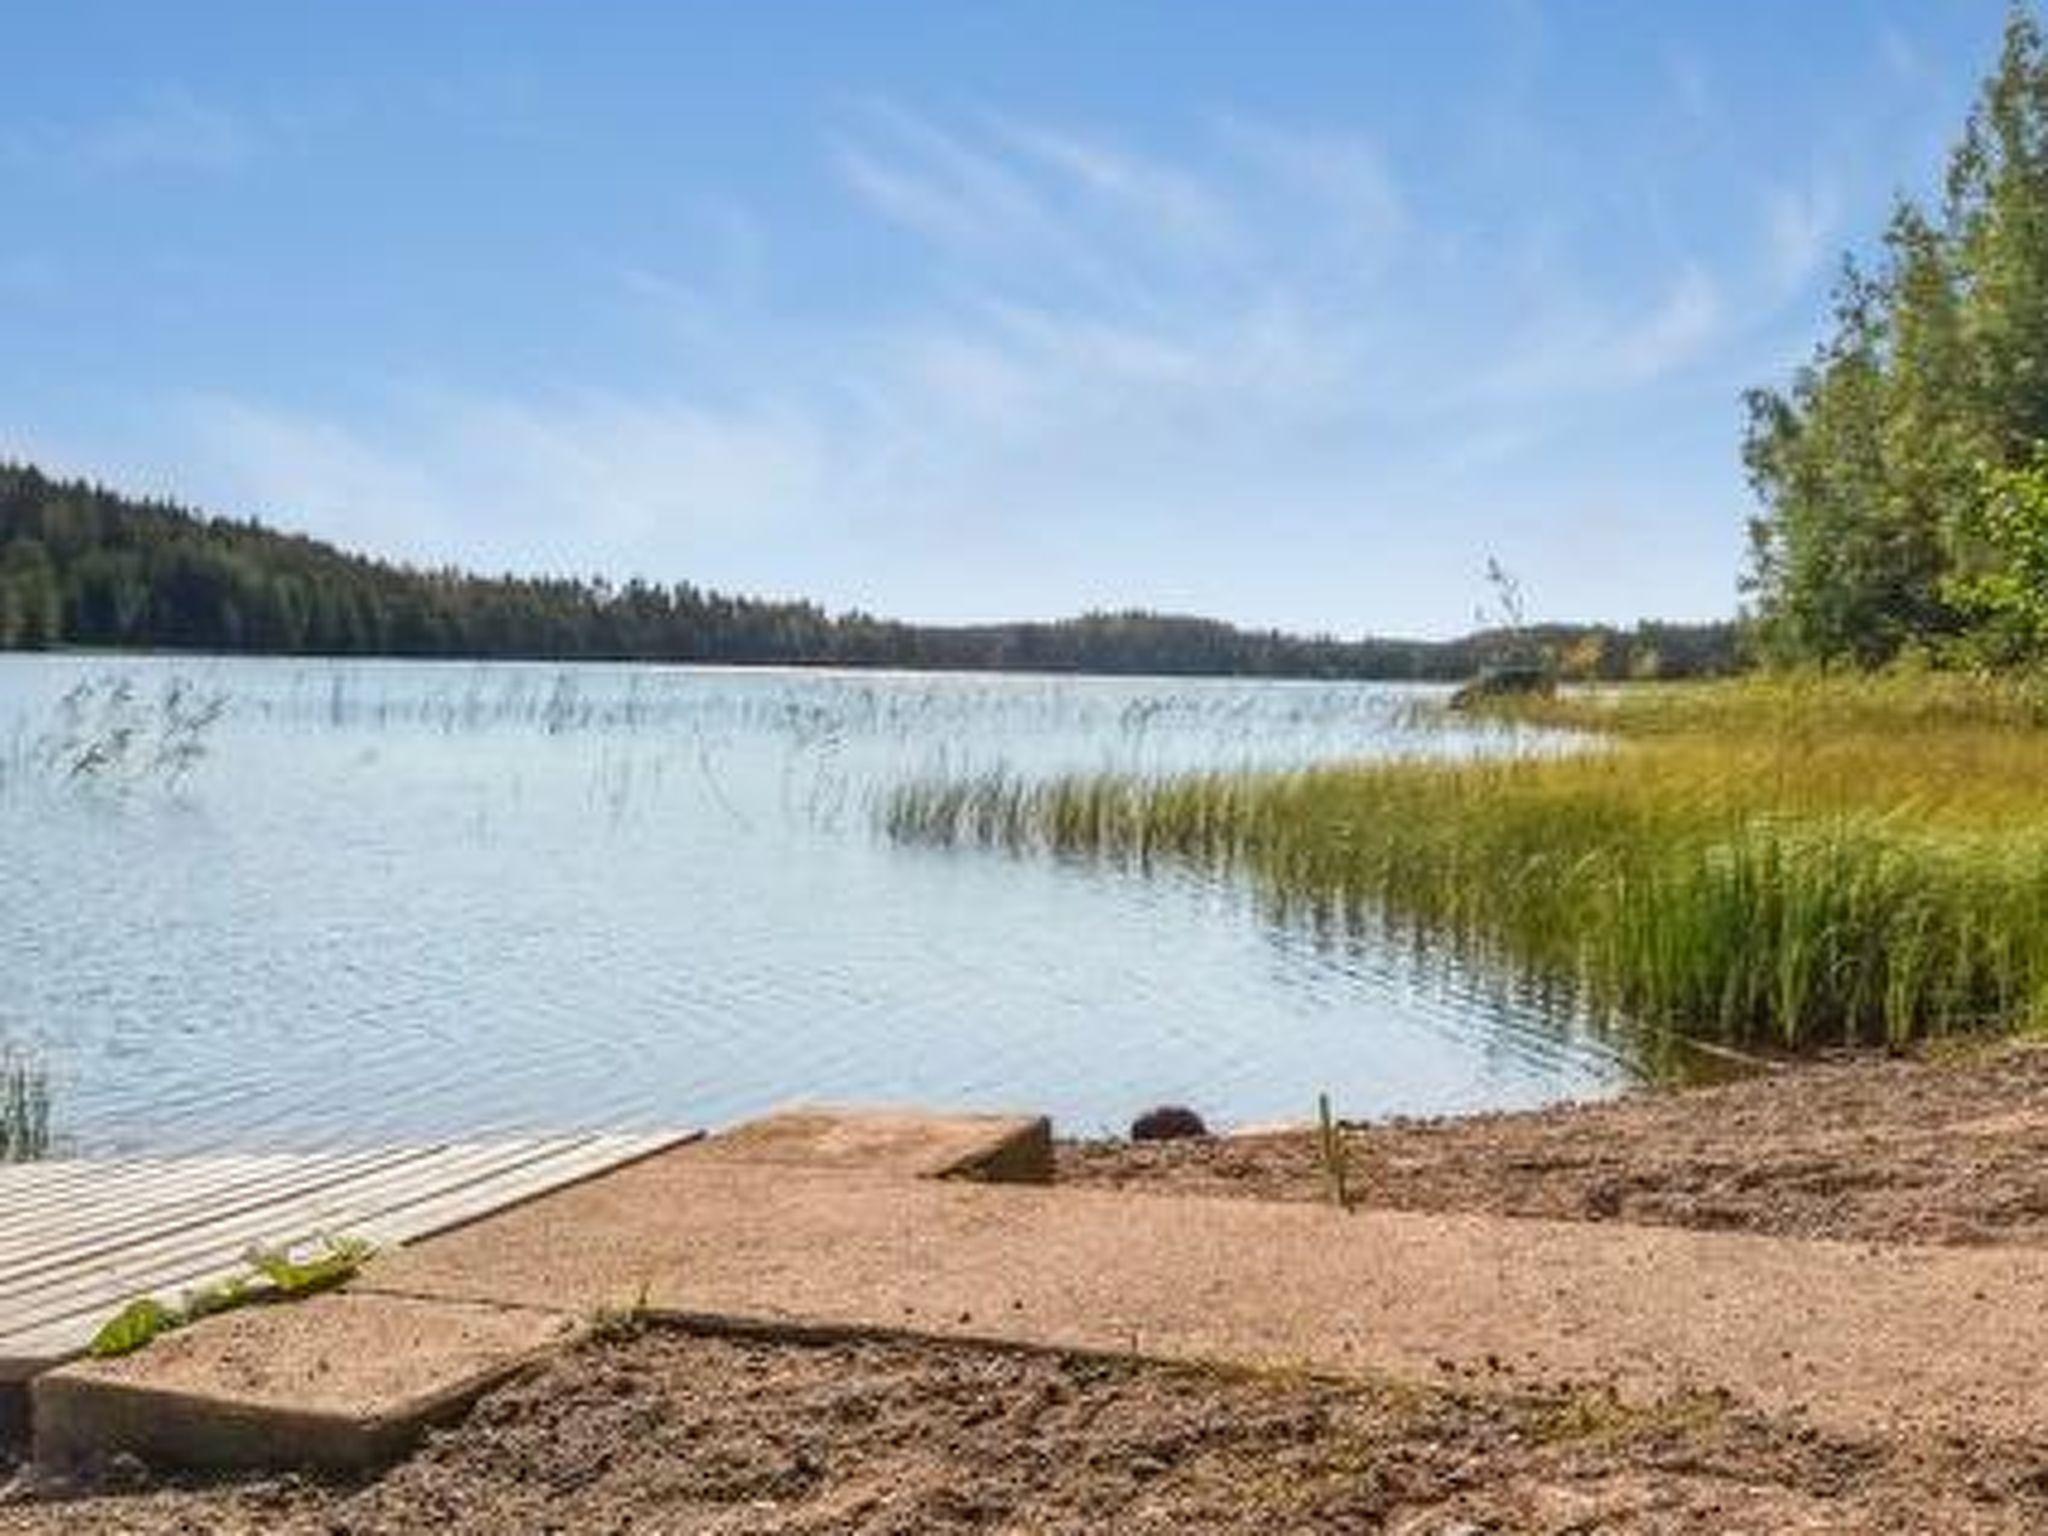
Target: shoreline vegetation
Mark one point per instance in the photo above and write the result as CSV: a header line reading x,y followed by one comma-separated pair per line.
x,y
1777,862
1849,849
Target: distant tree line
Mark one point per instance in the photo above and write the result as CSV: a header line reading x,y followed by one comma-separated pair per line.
x,y
84,566
1903,473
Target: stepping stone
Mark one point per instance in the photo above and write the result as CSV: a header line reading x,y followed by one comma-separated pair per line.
x,y
341,1382
995,1149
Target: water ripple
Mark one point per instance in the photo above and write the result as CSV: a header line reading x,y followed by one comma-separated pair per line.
x,y
399,900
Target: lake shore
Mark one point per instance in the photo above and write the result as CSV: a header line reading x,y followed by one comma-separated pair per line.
x,y
615,992
655,1426
1941,1145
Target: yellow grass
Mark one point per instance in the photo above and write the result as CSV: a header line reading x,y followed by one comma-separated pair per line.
x,y
1794,860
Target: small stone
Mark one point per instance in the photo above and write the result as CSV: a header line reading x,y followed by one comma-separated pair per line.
x,y
1168,1122
25,1485
123,1472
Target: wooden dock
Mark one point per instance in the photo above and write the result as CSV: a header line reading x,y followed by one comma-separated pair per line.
x,y
79,1239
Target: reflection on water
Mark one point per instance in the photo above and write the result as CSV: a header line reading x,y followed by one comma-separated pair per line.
x,y
381,900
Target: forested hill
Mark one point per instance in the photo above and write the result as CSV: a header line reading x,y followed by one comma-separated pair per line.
x,y
84,566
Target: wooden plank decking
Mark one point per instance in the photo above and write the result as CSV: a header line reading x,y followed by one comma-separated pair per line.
x,y
81,1238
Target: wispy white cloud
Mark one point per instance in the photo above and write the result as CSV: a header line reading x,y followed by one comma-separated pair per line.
x,y
173,130
1343,177
169,130
547,481
1105,341
1570,353
941,186
1013,200
1672,334
305,466
1164,201
1802,224
725,282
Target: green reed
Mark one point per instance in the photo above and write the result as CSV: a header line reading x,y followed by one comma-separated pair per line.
x,y
24,1108
1785,863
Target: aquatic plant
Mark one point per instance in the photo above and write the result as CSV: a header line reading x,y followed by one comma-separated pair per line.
x,y
274,1274
1786,861
24,1107
107,735
624,1320
1334,1153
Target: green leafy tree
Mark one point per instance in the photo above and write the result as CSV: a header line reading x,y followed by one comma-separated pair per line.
x,y
1872,464
2003,587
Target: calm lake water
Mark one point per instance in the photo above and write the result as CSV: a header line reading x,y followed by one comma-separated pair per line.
x,y
315,902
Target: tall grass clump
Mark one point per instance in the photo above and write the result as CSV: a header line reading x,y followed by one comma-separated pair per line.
x,y
24,1108
1787,862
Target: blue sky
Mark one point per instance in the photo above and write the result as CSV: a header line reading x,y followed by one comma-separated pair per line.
x,y
1289,313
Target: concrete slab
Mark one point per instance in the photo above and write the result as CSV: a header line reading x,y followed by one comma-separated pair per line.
x,y
1003,1149
347,1380
1859,1339
341,1382
832,1222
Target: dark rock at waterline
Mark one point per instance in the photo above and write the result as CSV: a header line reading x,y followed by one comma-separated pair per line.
x,y
1168,1122
1506,680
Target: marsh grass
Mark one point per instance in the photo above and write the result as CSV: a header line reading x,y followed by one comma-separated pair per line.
x,y
1905,698
107,734
24,1108
1784,862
